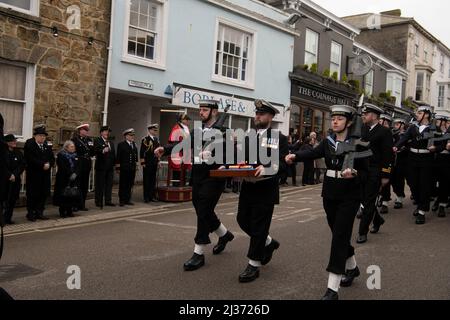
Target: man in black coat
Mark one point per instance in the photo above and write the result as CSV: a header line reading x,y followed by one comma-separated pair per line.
x,y
3,179
39,159
149,162
380,166
105,155
401,164
85,151
126,162
259,195
15,165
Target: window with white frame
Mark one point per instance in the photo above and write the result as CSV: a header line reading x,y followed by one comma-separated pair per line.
x,y
441,96
311,47
368,82
234,55
394,84
336,58
420,82
144,39
16,97
25,6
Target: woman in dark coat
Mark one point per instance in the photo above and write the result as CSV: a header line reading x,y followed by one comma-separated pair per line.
x,y
67,175
308,165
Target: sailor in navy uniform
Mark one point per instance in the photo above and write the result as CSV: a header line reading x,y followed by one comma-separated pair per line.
x,y
39,160
15,165
420,161
401,163
442,166
126,164
380,167
341,198
259,195
206,191
105,160
386,121
149,162
85,150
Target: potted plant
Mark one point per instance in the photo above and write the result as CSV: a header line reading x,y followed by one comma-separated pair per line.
x,y
326,73
335,76
314,68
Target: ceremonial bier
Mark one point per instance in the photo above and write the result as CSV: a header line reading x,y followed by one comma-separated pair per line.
x,y
234,172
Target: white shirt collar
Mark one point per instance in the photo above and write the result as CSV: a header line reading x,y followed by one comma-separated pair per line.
x,y
371,128
261,131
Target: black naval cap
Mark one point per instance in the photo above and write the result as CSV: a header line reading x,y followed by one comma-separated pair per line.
x,y
209,103
40,129
105,128
372,108
264,106
9,138
342,110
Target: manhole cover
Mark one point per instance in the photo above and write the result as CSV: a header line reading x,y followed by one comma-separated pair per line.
x,y
11,272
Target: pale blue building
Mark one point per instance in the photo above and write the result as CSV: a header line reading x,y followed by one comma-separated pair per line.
x,y
166,54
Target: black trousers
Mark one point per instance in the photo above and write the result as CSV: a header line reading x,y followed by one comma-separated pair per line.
x,y
371,189
420,179
103,186
308,172
398,179
37,191
12,194
126,183
205,196
255,218
340,216
149,176
444,179
85,170
386,193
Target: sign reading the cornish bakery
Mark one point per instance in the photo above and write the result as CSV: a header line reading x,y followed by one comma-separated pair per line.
x,y
189,98
319,96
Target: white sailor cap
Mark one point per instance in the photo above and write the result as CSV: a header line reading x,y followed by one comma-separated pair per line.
x,y
442,117
209,103
342,110
399,120
266,107
372,108
153,126
130,132
84,126
386,117
425,109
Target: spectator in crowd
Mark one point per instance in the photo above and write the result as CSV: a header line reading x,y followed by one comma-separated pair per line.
x,y
308,165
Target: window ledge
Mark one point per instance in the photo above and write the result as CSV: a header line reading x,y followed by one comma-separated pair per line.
x,y
232,83
144,63
28,15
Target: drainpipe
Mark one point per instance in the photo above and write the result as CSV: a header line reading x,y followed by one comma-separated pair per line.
x,y
108,70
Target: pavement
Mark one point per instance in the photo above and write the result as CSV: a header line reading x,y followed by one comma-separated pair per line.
x,y
137,253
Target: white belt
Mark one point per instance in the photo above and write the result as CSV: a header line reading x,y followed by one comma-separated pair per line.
x,y
445,152
334,174
419,150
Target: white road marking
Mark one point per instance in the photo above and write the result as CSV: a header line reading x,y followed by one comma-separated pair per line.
x,y
166,224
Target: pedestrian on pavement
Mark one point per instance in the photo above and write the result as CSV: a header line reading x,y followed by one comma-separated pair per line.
x,y
380,167
67,176
105,156
341,199
85,151
150,162
39,160
126,164
420,161
15,165
259,195
206,191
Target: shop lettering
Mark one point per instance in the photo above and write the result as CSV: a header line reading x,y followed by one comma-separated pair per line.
x,y
320,96
193,99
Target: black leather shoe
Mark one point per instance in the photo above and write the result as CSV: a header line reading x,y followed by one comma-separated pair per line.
x,y
349,276
222,243
84,209
268,251
398,205
122,204
42,217
376,227
416,213
250,274
110,205
361,239
435,206
129,203
384,210
31,217
441,213
146,201
420,219
196,262
330,295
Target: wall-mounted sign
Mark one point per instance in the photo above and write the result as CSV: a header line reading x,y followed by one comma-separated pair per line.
x,y
322,97
189,98
139,84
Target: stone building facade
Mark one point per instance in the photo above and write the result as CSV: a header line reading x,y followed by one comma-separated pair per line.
x,y
53,62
